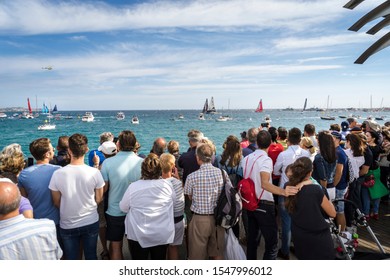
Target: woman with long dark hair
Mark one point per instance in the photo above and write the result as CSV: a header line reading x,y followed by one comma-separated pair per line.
x,y
324,164
309,230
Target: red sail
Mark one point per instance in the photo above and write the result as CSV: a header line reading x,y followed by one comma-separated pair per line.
x,y
29,106
260,107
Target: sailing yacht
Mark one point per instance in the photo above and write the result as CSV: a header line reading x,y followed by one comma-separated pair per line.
x,y
304,105
328,117
211,107
28,115
259,108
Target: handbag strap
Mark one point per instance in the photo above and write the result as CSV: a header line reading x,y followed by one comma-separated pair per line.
x,y
246,165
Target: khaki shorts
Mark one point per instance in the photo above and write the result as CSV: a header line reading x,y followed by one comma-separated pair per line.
x,y
204,238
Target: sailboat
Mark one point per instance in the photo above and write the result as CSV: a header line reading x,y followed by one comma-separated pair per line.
x,y
211,108
205,106
45,109
304,105
28,115
259,108
55,109
328,117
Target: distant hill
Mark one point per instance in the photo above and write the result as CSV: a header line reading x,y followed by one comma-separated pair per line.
x,y
13,109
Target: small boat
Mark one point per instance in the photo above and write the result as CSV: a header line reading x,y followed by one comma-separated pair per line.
x,y
181,117
381,118
120,116
342,117
222,119
47,126
88,117
201,117
135,120
3,115
267,119
328,118
68,117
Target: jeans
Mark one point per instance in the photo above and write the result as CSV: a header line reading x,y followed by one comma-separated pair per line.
x,y
286,227
366,202
72,238
262,223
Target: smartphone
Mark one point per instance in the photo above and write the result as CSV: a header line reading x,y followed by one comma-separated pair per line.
x,y
30,161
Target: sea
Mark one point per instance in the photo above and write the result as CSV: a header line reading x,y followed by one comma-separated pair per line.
x,y
165,123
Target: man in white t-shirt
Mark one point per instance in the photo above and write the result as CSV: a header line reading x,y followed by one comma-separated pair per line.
x,y
77,189
262,221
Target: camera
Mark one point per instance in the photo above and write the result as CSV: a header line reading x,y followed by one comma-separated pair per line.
x,y
264,124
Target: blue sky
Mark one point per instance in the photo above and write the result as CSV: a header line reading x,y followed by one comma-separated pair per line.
x,y
130,55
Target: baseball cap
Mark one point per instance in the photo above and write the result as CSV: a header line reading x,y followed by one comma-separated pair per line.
x,y
344,126
108,148
336,134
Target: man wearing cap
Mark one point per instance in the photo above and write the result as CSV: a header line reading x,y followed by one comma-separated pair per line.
x,y
104,137
340,179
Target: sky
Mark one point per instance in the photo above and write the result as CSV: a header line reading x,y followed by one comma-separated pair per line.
x,y
150,55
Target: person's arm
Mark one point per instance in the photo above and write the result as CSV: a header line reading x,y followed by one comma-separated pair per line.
x,y
338,174
363,170
278,165
266,185
56,196
23,192
28,214
99,195
328,207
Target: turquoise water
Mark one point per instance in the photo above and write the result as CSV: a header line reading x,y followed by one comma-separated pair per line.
x,y
155,124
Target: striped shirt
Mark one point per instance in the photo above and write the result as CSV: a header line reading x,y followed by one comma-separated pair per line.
x,y
204,185
178,207
28,239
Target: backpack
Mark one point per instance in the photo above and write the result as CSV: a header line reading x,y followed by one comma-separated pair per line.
x,y
229,205
233,176
246,188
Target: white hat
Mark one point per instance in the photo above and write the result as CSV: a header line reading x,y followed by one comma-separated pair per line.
x,y
108,148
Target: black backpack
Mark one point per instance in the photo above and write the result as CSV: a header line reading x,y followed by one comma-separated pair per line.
x,y
229,205
233,176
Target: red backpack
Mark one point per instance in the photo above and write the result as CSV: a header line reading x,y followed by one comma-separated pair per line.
x,y
246,188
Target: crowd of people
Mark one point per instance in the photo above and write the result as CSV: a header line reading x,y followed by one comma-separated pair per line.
x,y
60,207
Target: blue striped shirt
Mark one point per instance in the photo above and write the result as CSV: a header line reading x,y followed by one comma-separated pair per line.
x,y
28,239
204,185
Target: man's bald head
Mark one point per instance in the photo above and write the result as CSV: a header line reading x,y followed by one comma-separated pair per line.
x,y
9,197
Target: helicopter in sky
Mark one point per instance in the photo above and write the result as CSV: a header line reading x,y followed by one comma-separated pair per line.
x,y
47,68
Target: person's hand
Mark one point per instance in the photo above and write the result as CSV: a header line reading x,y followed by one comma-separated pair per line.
x,y
290,190
95,159
175,172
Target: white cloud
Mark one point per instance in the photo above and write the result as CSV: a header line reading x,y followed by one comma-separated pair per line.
x,y
49,17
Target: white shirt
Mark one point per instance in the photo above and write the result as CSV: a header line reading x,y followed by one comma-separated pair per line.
x,y
149,208
356,162
261,162
77,184
286,158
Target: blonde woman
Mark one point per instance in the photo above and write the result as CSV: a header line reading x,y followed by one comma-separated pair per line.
x,y
11,164
307,144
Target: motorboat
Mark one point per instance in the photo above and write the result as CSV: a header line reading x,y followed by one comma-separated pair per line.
x,y
201,117
328,118
224,118
120,116
47,126
3,115
88,117
135,120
